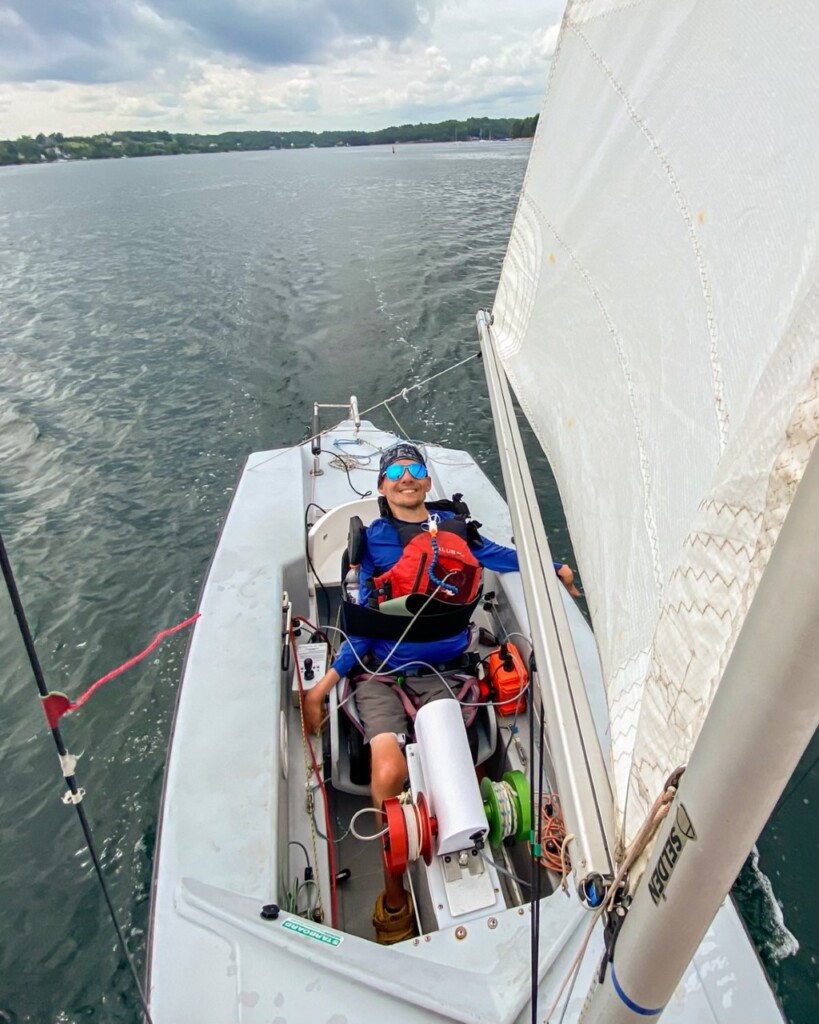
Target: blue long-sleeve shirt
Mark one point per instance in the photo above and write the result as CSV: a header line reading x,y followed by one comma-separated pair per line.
x,y
383,550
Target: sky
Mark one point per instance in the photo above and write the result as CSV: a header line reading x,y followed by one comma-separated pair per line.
x,y
86,66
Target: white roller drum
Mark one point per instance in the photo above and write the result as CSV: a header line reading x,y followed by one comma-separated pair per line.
x,y
450,785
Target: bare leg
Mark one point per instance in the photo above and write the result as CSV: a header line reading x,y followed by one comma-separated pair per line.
x,y
389,770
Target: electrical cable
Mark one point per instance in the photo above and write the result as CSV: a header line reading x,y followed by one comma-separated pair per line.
x,y
324,590
397,670
295,842
339,460
331,852
397,642
513,728
505,871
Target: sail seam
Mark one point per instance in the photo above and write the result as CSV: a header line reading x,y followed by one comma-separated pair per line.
x,y
645,471
685,210
711,577
669,699
639,653
594,10
724,506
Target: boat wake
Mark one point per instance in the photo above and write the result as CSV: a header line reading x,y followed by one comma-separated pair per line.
x,y
763,911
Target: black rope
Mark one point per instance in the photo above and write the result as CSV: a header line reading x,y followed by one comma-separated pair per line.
x,y
346,468
539,803
534,802
71,780
324,590
513,728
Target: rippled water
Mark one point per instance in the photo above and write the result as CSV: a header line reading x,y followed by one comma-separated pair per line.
x,y
158,320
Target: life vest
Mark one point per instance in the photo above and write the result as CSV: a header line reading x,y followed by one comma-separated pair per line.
x,y
441,616
440,564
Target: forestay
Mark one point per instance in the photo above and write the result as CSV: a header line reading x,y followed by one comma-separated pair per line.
x,y
657,317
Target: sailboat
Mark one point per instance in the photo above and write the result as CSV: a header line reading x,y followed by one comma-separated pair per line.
x,y
657,320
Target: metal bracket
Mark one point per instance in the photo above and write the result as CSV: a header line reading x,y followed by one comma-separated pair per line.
x,y
315,430
611,929
468,862
287,613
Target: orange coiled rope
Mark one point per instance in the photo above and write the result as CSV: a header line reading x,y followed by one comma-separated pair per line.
x,y
553,836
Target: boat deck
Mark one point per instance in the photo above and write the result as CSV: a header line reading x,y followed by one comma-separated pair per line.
x,y
236,806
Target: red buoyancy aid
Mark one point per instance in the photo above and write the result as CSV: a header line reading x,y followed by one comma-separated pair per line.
x,y
452,563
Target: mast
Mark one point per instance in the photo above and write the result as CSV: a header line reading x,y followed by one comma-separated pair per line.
x,y
762,718
582,779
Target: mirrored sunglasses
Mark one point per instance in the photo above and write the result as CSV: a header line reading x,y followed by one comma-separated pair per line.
x,y
416,470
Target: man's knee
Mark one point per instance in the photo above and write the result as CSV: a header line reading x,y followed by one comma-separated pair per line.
x,y
389,768
388,779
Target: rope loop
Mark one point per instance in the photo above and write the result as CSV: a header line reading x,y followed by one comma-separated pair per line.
x,y
359,835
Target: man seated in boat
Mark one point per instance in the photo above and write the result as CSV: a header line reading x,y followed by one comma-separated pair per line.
x,y
404,483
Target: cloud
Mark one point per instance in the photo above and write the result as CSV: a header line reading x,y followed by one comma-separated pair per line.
x,y
89,41
96,41
295,32
437,86
302,93
228,95
82,66
521,58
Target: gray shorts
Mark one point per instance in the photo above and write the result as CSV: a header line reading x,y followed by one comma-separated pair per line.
x,y
382,710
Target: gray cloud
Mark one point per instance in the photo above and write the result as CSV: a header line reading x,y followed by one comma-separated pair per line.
x,y
92,41
292,31
119,40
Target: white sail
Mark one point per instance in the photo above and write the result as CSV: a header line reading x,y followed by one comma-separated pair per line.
x,y
658,317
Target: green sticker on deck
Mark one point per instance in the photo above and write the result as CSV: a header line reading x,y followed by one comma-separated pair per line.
x,y
292,925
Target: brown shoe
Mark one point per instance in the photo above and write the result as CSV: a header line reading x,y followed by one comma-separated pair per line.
x,y
393,925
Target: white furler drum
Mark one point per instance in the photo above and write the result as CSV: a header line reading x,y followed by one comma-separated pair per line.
x,y
450,785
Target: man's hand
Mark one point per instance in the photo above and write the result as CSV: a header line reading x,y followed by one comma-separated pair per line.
x,y
313,710
313,700
566,577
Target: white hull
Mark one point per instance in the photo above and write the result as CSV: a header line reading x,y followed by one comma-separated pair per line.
x,y
235,799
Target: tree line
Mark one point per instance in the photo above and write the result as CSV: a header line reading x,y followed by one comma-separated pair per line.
x,y
111,145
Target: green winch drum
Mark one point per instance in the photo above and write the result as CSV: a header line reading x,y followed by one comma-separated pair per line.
x,y
506,805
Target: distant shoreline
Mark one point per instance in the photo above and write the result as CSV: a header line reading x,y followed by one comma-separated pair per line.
x,y
58,148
